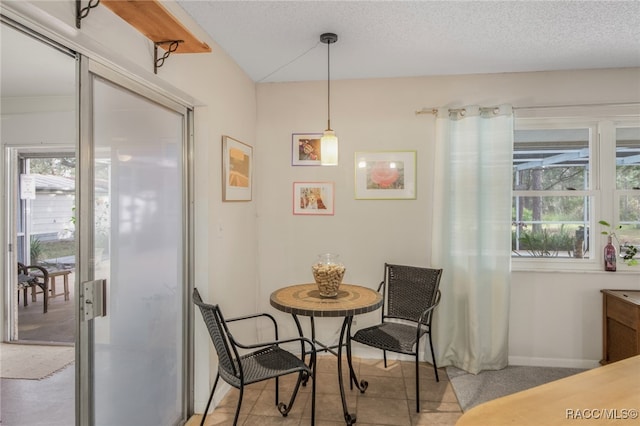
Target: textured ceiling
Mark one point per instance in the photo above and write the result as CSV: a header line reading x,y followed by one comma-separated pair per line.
x,y
279,40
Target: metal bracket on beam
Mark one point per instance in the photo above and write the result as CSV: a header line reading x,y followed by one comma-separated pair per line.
x,y
81,12
158,62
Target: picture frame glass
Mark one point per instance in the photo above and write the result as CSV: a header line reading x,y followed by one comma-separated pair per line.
x,y
385,175
237,170
305,149
313,198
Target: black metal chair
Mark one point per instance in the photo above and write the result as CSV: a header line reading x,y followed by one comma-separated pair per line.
x,y
267,360
410,295
27,279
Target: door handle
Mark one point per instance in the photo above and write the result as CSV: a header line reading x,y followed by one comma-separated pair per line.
x,y
95,299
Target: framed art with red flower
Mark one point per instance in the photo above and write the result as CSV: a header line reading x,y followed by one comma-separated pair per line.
x,y
385,175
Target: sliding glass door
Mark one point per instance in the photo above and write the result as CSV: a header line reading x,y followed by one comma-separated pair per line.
x,y
135,190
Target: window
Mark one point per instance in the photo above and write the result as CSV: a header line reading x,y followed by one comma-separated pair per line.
x,y
627,193
568,175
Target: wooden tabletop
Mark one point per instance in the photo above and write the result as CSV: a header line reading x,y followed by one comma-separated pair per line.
x,y
608,395
305,299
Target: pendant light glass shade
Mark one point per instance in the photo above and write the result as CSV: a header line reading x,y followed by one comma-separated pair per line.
x,y
329,148
329,141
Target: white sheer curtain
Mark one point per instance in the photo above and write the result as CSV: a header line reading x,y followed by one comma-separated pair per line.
x,y
471,235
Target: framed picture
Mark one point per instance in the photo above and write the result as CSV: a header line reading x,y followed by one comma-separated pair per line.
x,y
313,198
237,170
305,149
388,175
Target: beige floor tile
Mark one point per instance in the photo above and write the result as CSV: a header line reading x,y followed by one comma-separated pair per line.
x,y
327,423
327,383
386,387
260,385
218,418
329,408
383,411
329,364
269,421
230,401
369,367
266,405
288,383
433,406
432,391
425,370
435,419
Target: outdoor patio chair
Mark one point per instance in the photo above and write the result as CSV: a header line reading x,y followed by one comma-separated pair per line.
x,y
266,361
410,295
28,278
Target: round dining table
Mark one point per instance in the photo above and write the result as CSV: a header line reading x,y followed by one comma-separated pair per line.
x,y
351,300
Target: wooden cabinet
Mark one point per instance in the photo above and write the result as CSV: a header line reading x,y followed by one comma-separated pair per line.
x,y
620,325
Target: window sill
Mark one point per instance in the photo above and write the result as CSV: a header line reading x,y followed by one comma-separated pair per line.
x,y
576,271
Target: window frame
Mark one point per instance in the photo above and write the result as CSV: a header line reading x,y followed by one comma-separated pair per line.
x,y
602,190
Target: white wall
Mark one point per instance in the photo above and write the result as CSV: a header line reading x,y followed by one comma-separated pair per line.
x,y
555,317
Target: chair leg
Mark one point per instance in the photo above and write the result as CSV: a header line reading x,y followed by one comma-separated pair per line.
x,y
235,419
417,385
286,408
313,396
206,410
45,297
277,387
384,355
433,358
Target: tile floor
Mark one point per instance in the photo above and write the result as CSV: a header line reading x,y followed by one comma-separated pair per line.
x,y
389,399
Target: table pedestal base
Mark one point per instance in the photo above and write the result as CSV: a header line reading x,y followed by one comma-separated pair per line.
x,y
305,299
345,335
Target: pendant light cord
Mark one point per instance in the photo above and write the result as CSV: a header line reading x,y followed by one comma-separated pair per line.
x,y
288,63
328,87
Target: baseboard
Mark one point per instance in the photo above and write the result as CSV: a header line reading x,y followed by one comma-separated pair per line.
x,y
553,362
366,352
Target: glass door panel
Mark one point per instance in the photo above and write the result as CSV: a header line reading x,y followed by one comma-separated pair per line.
x,y
138,249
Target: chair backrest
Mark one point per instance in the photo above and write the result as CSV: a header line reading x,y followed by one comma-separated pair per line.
x,y
410,290
28,278
219,333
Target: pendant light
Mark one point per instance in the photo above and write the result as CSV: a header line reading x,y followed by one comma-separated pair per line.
x,y
329,141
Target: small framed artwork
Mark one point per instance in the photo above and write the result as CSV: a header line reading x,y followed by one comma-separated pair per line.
x,y
313,198
237,170
385,175
305,149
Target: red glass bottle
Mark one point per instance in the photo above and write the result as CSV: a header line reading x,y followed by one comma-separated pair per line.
x,y
609,256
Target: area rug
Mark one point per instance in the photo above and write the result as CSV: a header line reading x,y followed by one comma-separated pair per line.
x,y
33,362
474,389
